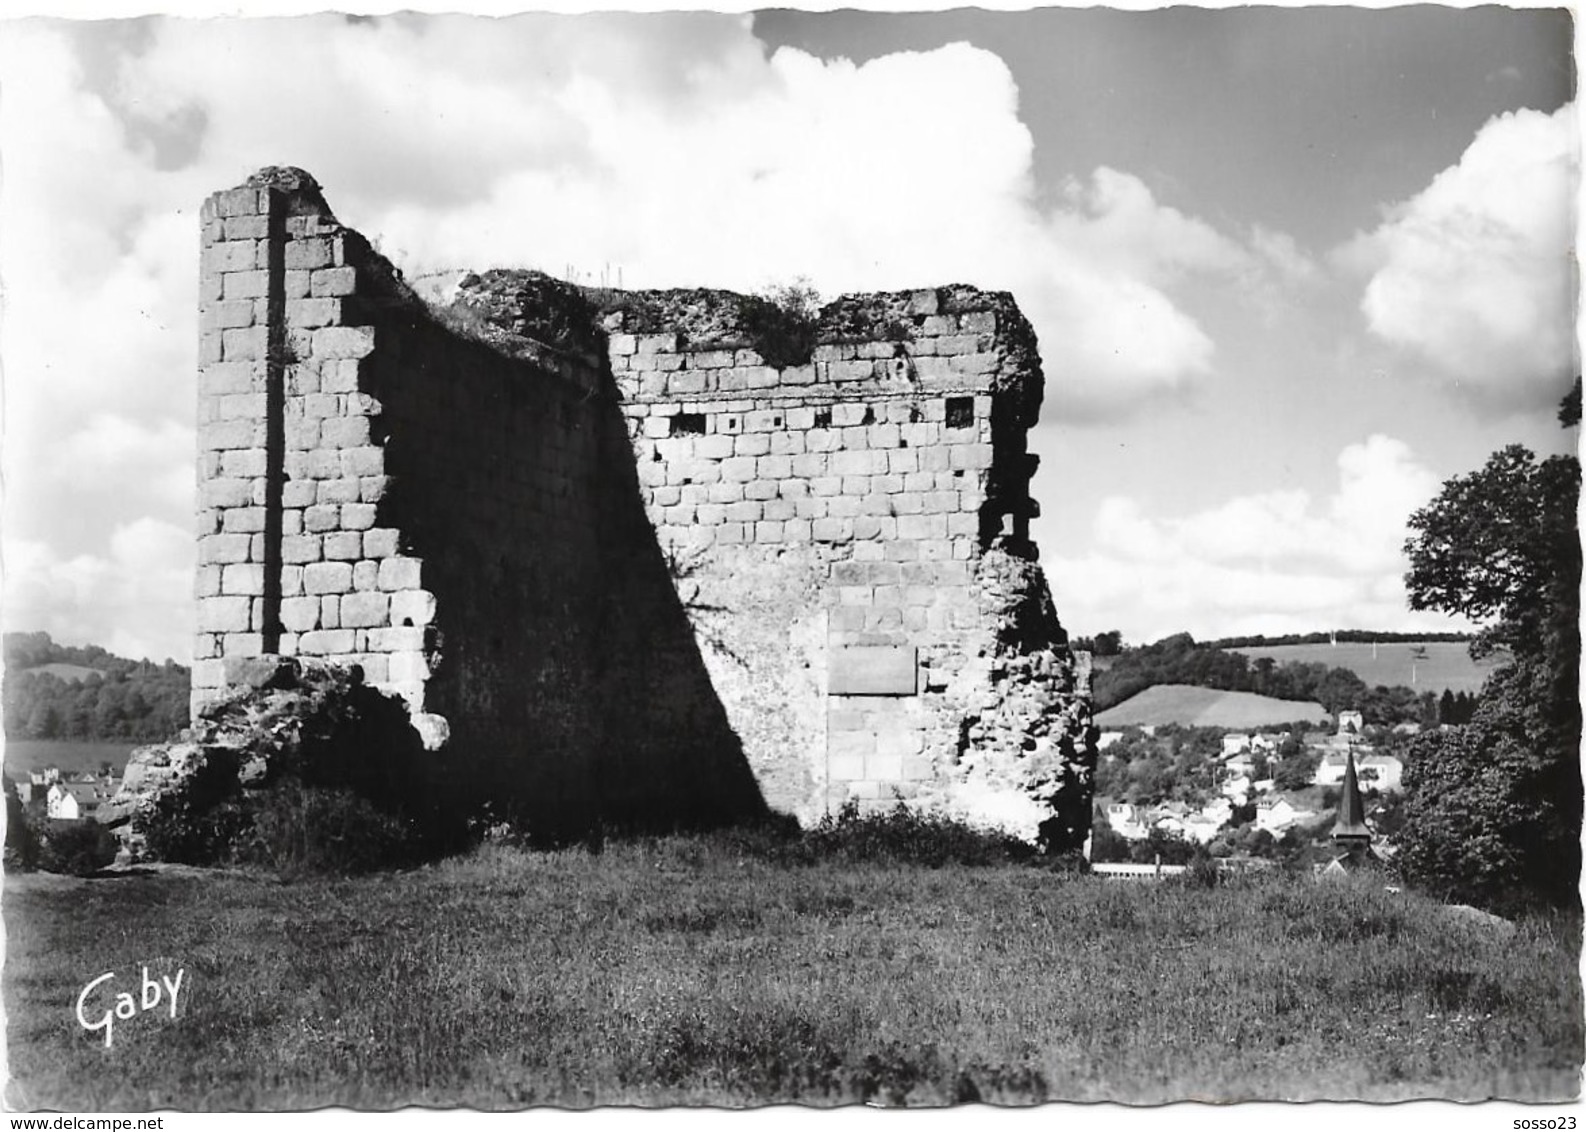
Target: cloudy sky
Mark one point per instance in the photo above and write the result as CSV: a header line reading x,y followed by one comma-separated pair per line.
x,y
1290,268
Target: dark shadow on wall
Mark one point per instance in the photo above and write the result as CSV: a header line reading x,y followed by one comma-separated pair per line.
x,y
562,658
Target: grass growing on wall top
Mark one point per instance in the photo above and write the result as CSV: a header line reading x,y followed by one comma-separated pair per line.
x,y
694,970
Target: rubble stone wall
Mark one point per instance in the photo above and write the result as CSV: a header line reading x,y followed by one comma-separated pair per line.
x,y
637,557
855,531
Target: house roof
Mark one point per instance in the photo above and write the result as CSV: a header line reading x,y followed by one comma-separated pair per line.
x,y
1379,760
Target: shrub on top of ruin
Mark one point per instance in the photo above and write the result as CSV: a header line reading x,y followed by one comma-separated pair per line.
x,y
781,323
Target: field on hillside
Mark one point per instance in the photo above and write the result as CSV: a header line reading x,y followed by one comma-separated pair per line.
x,y
691,971
71,673
71,755
1206,707
1447,664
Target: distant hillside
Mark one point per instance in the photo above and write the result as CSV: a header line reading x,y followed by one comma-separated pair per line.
x,y
1422,666
71,673
82,692
1206,707
1342,636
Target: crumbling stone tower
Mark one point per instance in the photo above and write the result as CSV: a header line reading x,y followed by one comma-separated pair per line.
x,y
642,558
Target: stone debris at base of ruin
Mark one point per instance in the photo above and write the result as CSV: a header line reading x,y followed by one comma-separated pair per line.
x,y
638,559
310,721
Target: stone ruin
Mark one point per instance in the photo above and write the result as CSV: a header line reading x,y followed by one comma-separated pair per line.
x,y
638,559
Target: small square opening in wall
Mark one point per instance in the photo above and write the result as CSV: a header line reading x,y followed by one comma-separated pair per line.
x,y
960,412
731,424
688,424
823,418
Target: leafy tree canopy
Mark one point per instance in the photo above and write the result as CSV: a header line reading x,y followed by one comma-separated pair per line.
x,y
1500,545
1492,809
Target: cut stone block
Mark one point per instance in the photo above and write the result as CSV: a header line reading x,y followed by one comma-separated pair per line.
x,y
858,670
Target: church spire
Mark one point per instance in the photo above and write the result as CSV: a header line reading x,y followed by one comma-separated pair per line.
x,y
1350,828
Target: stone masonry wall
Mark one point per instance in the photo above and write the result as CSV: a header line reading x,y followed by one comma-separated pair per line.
x,y
621,566
382,488
856,534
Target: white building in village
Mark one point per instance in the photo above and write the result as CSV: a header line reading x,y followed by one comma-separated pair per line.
x,y
1351,723
1382,772
1276,816
71,801
1127,821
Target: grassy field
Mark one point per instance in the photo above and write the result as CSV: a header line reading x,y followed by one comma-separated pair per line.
x,y
1206,707
1447,663
687,970
71,755
71,673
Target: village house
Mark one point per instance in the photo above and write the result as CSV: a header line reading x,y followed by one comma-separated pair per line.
x,y
71,801
1127,821
1233,743
1242,763
1276,816
1379,771
1351,723
1384,772
1219,810
1340,745
1170,823
1266,744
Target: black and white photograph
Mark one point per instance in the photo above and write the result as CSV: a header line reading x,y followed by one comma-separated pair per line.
x,y
959,559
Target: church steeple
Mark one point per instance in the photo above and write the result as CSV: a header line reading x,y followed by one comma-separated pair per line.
x,y
1350,830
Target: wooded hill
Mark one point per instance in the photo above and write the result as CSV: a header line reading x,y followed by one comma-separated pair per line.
x,y
1181,660
55,691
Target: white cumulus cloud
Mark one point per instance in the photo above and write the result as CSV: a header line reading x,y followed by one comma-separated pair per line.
x,y
135,599
678,149
1270,562
1476,273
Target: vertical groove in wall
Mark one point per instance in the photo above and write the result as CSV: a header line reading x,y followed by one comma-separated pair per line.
x,y
275,419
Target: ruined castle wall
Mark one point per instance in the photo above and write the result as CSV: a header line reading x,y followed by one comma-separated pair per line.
x,y
836,520
448,515
636,558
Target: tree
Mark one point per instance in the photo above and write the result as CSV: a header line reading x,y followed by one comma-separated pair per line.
x,y
1492,808
1297,771
1106,843
1501,545
44,722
